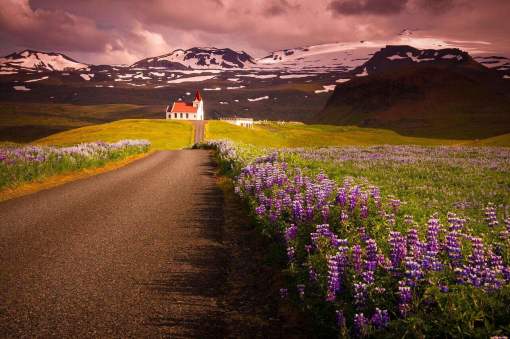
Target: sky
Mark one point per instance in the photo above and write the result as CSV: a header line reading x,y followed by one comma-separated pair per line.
x,y
124,31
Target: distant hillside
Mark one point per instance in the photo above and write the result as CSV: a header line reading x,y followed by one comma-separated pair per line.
x,y
443,93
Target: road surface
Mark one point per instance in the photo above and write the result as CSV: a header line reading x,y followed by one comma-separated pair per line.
x,y
199,130
135,252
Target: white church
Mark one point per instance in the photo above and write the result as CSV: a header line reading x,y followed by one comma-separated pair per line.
x,y
182,110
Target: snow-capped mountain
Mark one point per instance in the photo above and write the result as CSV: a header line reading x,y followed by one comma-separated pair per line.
x,y
394,57
499,63
29,60
341,56
199,58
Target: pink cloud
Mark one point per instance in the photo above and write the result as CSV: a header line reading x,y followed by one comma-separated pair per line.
x,y
125,30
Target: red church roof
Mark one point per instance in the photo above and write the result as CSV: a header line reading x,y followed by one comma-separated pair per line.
x,y
184,107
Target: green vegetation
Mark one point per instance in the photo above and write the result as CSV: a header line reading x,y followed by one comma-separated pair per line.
x,y
367,254
301,135
427,179
161,133
25,122
23,164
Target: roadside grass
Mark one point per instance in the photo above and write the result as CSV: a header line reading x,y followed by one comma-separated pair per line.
x,y
161,133
60,179
301,135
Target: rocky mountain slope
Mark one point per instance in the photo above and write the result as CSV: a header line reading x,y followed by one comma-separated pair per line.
x,y
199,58
440,93
29,60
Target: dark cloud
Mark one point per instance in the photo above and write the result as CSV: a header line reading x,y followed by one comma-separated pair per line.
x,y
377,7
438,6
122,31
279,7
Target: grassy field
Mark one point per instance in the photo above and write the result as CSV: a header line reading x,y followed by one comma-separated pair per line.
x,y
26,122
335,210
301,135
161,133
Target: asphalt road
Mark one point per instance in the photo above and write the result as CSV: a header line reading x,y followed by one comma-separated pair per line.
x,y
135,252
199,130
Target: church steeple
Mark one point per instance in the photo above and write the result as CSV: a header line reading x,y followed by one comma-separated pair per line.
x,y
198,97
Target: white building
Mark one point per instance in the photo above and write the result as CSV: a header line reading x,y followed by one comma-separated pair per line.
x,y
182,110
243,122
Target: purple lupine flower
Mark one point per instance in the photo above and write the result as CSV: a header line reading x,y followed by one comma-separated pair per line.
x,y
398,248
413,243
371,250
297,210
405,297
452,247
360,325
260,210
291,253
353,198
333,277
376,195
312,275
341,197
325,213
491,215
291,232
380,318
360,293
413,271
356,259
362,233
430,260
364,212
343,217
336,267
368,277
340,319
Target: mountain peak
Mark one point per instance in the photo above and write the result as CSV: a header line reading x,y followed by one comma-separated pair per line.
x,y
36,60
199,58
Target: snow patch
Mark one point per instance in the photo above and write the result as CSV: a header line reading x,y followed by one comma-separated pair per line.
x,y
87,77
191,79
327,88
21,88
235,87
34,80
340,81
258,76
213,89
296,76
259,98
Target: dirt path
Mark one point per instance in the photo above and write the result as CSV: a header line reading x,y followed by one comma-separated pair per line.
x,y
137,252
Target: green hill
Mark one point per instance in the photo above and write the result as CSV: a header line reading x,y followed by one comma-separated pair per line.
x,y
161,133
